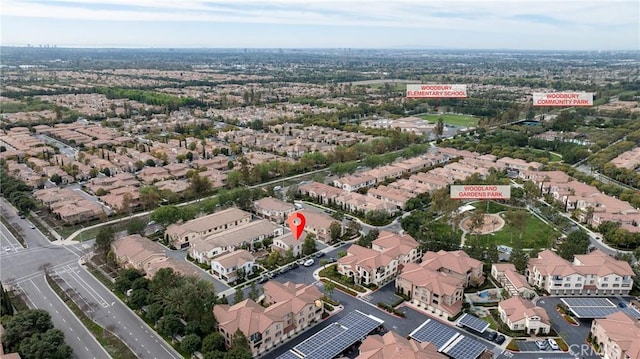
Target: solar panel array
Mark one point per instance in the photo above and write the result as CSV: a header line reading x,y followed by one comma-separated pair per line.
x,y
588,302
335,338
447,340
473,322
465,348
601,312
435,333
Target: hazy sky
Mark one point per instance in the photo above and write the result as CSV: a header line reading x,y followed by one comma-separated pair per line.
x,y
479,24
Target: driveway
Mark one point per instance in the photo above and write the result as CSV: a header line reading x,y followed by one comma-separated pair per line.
x,y
572,335
385,294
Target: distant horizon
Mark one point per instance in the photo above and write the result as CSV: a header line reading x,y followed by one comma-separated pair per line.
x,y
99,47
554,25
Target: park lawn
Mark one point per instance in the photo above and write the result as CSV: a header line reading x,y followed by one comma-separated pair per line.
x,y
536,235
553,156
455,120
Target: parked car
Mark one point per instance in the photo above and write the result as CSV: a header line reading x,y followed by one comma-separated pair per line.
x,y
319,254
300,261
294,265
552,344
541,344
309,262
263,279
622,305
284,269
500,339
332,260
492,336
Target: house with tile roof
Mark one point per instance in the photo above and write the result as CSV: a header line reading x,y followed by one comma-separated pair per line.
x,y
393,346
378,265
273,209
617,336
595,273
180,234
226,266
437,283
521,314
515,283
290,309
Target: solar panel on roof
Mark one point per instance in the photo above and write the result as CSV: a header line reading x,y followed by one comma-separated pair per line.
x,y
473,322
335,338
588,302
435,333
465,348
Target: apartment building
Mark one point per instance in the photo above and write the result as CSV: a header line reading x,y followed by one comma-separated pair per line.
x,y
245,235
180,234
135,251
595,273
437,284
227,266
514,282
319,224
522,315
291,308
381,263
273,209
617,336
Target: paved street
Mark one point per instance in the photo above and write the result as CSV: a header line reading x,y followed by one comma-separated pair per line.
x,y
25,270
8,242
40,295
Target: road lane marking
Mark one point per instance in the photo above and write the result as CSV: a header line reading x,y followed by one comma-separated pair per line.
x,y
92,292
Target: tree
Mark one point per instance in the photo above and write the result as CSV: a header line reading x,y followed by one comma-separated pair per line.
x,y
335,230
240,342
135,226
309,244
518,257
149,197
577,242
170,325
191,343
354,228
23,325
49,344
104,238
213,342
139,298
329,288
367,239
166,215
154,312
6,307
493,256
199,185
238,296
254,292
56,179
439,129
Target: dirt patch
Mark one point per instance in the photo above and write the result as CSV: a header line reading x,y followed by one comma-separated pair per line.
x,y
491,223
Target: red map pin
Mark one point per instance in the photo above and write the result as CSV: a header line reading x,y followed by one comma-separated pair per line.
x,y
296,224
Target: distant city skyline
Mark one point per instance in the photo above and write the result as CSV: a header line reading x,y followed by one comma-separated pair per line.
x,y
517,25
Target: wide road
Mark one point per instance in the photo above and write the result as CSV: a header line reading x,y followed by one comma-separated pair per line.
x,y
40,295
8,241
25,269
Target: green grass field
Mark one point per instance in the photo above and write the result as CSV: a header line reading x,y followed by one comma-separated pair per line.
x,y
455,120
554,157
536,235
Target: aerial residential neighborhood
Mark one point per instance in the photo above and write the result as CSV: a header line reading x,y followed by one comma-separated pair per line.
x,y
318,203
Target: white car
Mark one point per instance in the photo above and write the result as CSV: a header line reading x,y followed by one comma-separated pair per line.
x,y
309,262
541,344
552,344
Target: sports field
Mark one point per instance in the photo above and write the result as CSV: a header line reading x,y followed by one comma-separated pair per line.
x,y
455,120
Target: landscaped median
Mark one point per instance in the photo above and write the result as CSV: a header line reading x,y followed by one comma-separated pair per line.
x,y
116,348
341,282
